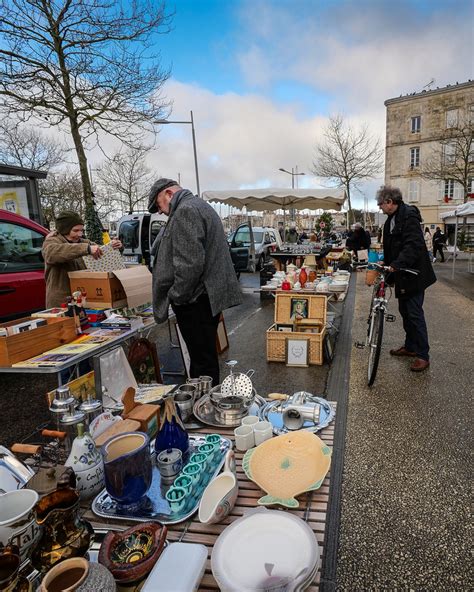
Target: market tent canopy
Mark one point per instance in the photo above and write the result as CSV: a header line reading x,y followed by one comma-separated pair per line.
x,y
466,209
279,199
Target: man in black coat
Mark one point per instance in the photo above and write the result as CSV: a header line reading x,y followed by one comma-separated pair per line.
x,y
439,241
404,248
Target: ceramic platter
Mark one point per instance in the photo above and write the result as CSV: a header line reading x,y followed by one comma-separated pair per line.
x,y
154,505
265,550
287,466
272,412
205,412
13,473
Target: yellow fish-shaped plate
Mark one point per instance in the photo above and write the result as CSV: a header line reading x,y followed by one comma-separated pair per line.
x,y
286,466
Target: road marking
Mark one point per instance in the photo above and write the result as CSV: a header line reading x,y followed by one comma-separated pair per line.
x,y
244,321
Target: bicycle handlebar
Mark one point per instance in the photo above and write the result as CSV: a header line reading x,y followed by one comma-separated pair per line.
x,y
389,269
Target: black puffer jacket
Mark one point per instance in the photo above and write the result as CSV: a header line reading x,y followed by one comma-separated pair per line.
x,y
405,247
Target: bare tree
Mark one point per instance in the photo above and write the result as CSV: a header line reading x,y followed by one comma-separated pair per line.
x,y
452,157
347,156
61,191
84,63
127,178
27,147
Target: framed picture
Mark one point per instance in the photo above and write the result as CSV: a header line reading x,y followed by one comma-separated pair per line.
x,y
299,308
328,347
309,328
285,328
143,361
222,341
297,352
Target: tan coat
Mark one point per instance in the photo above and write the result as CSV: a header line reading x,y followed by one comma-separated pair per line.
x,y
60,257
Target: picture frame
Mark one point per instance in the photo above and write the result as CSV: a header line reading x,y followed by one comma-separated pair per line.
x,y
285,328
299,308
297,352
222,340
328,346
309,329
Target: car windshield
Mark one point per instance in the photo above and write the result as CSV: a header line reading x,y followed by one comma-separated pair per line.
x,y
128,234
243,236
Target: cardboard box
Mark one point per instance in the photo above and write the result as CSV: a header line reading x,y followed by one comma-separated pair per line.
x,y
22,346
106,289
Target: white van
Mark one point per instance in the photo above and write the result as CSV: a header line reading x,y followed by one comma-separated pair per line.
x,y
137,233
265,240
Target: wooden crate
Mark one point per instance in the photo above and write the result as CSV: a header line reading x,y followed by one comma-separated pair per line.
x,y
16,348
315,312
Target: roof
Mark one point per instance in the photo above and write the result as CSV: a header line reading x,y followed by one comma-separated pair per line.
x,y
15,171
425,93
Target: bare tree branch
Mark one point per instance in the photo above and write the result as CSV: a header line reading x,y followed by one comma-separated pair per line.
x,y
87,63
452,157
347,156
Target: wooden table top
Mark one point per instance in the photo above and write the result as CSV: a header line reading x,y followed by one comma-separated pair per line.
x,y
313,509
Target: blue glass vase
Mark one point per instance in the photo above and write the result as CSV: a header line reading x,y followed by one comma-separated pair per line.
x,y
171,431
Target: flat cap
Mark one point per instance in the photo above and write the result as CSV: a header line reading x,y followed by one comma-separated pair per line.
x,y
156,188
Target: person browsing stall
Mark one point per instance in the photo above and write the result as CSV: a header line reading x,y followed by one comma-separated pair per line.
x,y
192,272
62,251
404,248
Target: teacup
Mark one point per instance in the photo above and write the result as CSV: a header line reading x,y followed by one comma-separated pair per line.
x,y
213,438
220,495
192,470
206,384
185,402
18,525
200,459
209,450
184,482
176,497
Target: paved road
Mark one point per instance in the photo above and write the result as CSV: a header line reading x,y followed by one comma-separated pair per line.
x,y
405,521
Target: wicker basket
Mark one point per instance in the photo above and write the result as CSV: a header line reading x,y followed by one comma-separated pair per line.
x,y
370,276
316,315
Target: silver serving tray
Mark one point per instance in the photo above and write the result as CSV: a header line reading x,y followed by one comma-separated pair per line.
x,y
154,505
272,411
205,412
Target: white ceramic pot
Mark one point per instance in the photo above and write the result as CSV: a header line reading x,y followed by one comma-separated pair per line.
x,y
220,495
88,465
18,521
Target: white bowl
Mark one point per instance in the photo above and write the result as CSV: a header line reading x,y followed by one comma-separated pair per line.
x,y
18,524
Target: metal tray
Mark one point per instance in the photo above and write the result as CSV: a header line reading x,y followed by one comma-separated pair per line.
x,y
272,411
205,411
154,505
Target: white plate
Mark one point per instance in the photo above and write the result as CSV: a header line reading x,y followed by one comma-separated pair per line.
x,y
265,550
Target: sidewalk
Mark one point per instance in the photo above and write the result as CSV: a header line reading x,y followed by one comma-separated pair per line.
x,y
407,464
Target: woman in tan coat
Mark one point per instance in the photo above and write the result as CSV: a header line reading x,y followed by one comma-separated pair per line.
x,y
63,250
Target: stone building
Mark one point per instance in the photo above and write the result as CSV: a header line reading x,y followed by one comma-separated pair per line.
x,y
416,124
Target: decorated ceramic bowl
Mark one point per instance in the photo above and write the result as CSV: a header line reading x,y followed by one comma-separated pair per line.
x,y
131,554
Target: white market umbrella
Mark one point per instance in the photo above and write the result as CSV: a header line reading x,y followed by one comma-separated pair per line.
x,y
464,210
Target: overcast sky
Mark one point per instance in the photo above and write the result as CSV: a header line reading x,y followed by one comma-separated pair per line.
x,y
263,76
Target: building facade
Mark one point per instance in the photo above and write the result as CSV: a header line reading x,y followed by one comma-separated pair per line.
x,y
417,126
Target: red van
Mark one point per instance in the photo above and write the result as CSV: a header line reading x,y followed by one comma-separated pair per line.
x,y
22,286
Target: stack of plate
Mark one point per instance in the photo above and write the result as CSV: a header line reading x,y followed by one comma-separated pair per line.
x,y
266,550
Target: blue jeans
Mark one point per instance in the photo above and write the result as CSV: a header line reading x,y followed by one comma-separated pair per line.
x,y
411,310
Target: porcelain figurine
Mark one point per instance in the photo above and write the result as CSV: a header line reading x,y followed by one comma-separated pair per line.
x,y
17,521
87,463
65,534
171,431
127,466
220,495
78,575
131,554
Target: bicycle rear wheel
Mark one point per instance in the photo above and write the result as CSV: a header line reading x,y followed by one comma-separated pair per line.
x,y
375,343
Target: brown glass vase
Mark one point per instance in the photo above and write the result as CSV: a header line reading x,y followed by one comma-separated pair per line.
x,y
65,533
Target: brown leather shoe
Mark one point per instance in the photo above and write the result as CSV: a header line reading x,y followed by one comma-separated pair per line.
x,y
401,351
419,365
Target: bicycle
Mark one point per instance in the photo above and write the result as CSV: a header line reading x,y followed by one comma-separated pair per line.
x,y
377,317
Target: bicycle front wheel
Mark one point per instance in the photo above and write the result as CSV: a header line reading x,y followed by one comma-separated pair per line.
x,y
375,343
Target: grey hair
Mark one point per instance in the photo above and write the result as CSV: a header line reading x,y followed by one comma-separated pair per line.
x,y
386,193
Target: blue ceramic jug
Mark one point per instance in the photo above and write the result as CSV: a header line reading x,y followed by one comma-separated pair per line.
x,y
171,431
127,467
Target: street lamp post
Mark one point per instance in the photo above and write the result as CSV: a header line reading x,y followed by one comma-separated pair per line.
x,y
294,173
191,122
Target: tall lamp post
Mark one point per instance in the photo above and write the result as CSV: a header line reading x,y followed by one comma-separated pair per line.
x,y
294,173
191,122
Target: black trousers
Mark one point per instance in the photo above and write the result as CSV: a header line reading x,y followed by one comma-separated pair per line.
x,y
199,330
439,248
411,311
